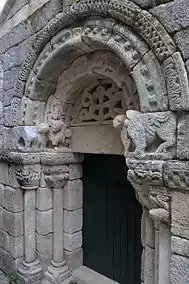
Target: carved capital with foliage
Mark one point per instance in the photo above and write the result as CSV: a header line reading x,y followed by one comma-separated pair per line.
x,y
56,176
28,178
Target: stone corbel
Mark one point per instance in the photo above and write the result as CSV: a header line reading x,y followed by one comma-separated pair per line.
x,y
56,177
160,211
145,175
30,271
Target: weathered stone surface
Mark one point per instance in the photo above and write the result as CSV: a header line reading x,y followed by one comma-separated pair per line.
x,y
73,221
75,171
1,218
149,263
18,34
180,246
180,214
2,189
3,278
44,198
9,264
73,192
4,173
13,200
183,137
44,246
8,96
72,241
179,270
74,259
10,78
181,39
32,112
44,222
174,15
4,241
13,223
12,57
16,246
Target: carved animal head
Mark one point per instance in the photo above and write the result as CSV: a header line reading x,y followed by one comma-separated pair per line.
x,y
130,114
56,125
43,128
119,120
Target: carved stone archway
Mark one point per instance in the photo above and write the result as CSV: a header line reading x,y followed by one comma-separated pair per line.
x,y
69,51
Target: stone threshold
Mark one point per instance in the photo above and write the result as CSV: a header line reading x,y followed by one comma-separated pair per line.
x,y
85,275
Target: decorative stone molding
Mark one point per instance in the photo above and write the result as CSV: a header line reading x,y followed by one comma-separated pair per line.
x,y
46,158
176,75
147,130
126,12
28,178
176,175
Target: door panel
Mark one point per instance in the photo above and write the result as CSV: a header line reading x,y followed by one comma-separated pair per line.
x,y
111,232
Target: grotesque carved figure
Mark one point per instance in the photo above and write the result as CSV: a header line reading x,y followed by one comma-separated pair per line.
x,y
118,122
43,130
148,130
54,134
59,133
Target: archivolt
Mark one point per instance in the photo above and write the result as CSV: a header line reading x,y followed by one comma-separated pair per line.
x,y
152,64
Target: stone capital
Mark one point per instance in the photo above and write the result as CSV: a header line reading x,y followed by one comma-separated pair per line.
x,y
145,172
56,176
28,178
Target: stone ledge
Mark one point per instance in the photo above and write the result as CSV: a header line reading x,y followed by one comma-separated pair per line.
x,y
46,158
85,275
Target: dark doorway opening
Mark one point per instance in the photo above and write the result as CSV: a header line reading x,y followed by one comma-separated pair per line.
x,y
112,220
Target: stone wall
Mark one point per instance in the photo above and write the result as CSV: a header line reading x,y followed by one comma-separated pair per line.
x,y
21,35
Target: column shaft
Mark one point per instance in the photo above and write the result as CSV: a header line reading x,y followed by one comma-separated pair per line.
x,y
58,235
164,254
29,226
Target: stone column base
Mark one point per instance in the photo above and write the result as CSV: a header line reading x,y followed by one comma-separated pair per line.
x,y
56,273
30,273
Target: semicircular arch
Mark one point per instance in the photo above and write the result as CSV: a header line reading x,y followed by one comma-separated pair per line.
x,y
157,69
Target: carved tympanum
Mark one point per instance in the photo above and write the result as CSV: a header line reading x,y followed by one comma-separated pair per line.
x,y
101,101
151,133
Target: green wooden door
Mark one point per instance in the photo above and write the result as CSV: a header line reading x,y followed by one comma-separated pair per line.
x,y
111,232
